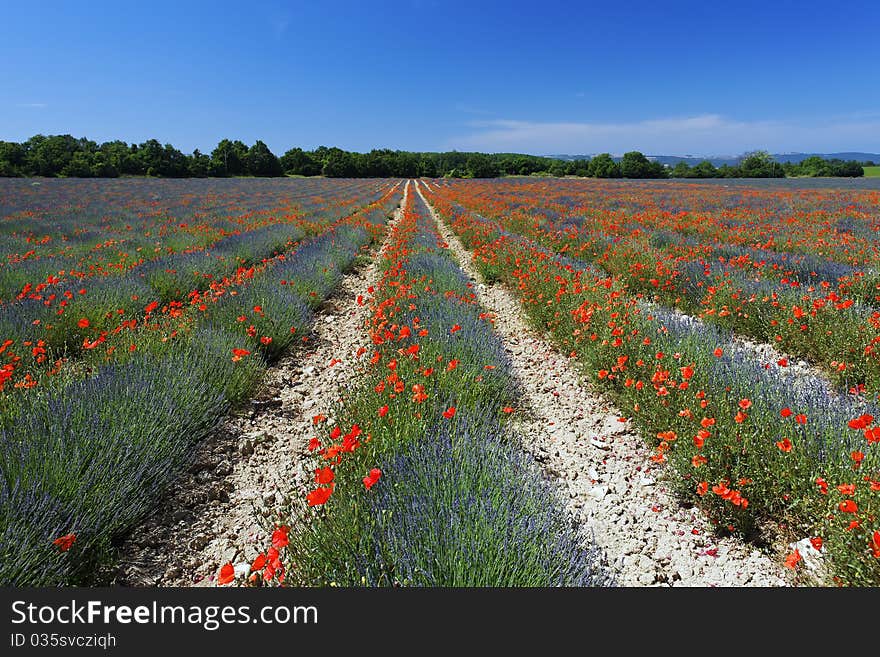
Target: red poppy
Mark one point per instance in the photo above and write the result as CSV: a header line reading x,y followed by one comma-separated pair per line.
x,y
507,409
319,496
784,445
874,544
698,460
823,485
745,404
800,418
872,435
259,563
702,488
452,365
83,323
848,506
279,537
65,542
455,329
707,422
227,574
816,542
314,444
785,412
858,457
266,339
324,476
718,352
383,410
847,489
449,413
861,422
791,561
238,354
782,362
371,479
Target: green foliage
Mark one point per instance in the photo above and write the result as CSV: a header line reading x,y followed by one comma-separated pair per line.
x,y
603,166
635,165
64,155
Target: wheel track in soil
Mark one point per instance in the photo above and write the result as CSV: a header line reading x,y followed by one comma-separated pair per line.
x,y
257,459
613,488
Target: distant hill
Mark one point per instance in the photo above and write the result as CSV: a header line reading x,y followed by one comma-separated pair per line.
x,y
719,160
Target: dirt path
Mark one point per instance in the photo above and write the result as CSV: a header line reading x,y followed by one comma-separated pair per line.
x,y
613,487
256,460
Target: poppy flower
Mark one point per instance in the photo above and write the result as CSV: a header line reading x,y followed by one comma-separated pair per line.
x,y
279,537
848,506
800,418
266,340
858,457
507,409
371,479
259,563
861,422
452,365
314,444
698,460
718,352
874,544
83,323
816,542
823,485
319,496
227,574
702,488
745,404
872,435
238,354
65,542
792,560
707,422
847,489
784,445
785,412
449,413
782,362
383,410
324,475
455,328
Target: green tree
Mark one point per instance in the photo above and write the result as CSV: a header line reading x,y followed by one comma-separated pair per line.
x,y
198,164
704,169
604,166
298,162
479,165
760,164
260,161
228,158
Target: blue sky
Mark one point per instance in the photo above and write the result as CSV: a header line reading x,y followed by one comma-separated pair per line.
x,y
699,78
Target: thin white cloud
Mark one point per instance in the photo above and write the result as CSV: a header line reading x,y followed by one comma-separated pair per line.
x,y
32,105
470,109
705,134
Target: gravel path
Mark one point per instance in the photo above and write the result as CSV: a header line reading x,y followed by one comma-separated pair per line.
x,y
256,461
613,487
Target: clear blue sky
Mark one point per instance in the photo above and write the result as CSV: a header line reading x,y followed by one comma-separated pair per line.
x,y
663,77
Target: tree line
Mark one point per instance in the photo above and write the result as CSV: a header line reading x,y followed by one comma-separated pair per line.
x,y
67,156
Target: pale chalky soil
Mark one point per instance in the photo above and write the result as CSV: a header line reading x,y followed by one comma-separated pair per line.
x,y
613,488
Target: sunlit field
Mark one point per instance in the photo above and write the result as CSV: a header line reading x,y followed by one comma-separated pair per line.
x,y
736,324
